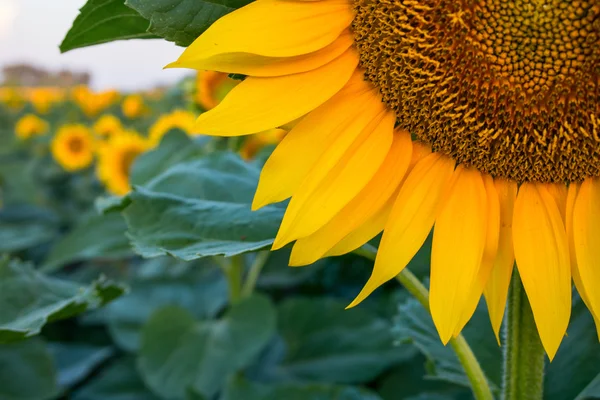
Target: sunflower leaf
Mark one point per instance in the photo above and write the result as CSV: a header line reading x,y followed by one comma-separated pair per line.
x,y
102,21
30,299
182,21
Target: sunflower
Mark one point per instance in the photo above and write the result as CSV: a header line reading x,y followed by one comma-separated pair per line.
x,y
12,98
93,103
30,125
474,119
73,147
212,87
115,160
133,106
178,119
44,98
107,125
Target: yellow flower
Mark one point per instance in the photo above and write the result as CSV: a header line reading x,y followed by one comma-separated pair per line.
x,y
30,125
73,147
115,160
133,106
255,143
11,97
107,125
506,156
92,103
178,119
212,87
44,98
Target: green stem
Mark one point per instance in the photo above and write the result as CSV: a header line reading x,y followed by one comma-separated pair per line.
x,y
523,350
479,383
234,269
254,273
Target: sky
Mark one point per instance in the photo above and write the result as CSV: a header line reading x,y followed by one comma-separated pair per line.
x,y
31,30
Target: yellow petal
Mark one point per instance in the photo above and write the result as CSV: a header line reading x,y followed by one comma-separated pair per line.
x,y
490,252
273,28
586,240
367,231
496,290
542,255
410,221
362,208
259,104
334,181
298,152
255,65
459,239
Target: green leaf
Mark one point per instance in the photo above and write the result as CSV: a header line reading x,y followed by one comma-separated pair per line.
x,y
27,371
239,388
102,21
200,289
100,236
577,363
23,227
180,352
330,344
414,325
29,300
199,209
75,361
182,21
120,381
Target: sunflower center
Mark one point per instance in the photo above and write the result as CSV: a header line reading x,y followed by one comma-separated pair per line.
x,y
510,87
75,145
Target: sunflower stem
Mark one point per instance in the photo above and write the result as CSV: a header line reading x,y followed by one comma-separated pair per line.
x,y
479,383
254,273
233,268
523,351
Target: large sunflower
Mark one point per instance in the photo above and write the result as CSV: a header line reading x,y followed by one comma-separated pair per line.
x,y
476,119
73,147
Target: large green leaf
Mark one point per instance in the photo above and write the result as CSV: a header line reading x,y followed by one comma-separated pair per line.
x,y
75,362
200,289
414,325
329,344
577,362
27,371
182,21
97,237
23,227
238,389
120,381
179,352
201,208
101,21
29,299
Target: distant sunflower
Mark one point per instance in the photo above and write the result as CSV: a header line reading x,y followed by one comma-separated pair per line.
x,y
476,117
93,103
178,119
255,143
133,106
115,160
107,125
30,125
73,147
212,87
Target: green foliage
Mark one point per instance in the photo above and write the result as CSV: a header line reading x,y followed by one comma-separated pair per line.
x,y
178,352
182,21
29,299
101,21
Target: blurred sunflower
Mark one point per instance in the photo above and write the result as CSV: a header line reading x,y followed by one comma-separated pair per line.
x,y
12,98
133,106
93,103
73,147
30,125
116,158
178,119
506,152
107,125
212,87
255,143
44,98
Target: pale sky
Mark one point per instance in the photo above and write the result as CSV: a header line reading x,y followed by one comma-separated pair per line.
x,y
31,30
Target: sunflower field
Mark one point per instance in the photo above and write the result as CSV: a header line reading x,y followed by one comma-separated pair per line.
x,y
145,236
